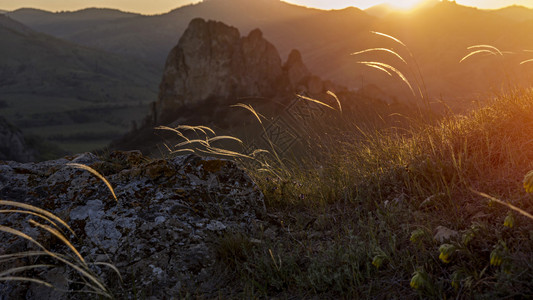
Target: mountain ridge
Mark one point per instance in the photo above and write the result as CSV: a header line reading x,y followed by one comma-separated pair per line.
x,y
59,90
326,39
515,12
173,23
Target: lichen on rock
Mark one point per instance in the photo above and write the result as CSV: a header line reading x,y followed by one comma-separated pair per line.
x,y
159,234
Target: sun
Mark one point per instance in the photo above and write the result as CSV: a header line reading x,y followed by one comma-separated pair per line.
x,y
404,4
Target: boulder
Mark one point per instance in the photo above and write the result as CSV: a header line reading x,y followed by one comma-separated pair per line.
x,y
161,232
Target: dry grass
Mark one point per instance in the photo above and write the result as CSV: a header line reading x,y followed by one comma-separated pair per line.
x,y
363,211
393,185
95,173
53,226
77,263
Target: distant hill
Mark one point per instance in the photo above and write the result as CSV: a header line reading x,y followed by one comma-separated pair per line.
x,y
151,37
438,35
380,10
383,10
439,38
68,24
139,34
12,144
516,13
67,93
16,27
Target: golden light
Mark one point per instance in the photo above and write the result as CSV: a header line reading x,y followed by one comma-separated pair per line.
x,y
404,4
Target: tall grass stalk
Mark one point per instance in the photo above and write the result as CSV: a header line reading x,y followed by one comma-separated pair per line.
x,y
378,196
90,279
415,74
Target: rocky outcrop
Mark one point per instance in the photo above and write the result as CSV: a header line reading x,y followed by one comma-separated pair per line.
x,y
12,144
296,69
212,61
213,67
161,233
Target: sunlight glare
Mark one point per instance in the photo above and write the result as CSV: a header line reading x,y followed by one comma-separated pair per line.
x,y
404,4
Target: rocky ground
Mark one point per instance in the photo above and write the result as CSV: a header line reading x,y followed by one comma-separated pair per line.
x,y
162,233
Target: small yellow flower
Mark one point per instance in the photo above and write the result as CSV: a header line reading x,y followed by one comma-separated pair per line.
x,y
418,281
528,182
509,220
455,284
417,235
496,257
444,257
456,280
446,251
378,261
468,237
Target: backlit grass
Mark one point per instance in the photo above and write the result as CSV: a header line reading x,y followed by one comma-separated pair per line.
x,y
431,208
21,266
398,212
395,212
377,192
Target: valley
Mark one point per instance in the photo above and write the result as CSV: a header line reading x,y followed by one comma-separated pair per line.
x,y
75,97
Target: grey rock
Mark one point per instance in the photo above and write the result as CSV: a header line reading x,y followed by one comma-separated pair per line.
x,y
212,61
160,234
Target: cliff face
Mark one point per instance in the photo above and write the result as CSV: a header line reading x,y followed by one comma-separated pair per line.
x,y
212,61
213,67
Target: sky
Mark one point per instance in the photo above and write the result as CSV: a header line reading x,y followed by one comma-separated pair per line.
x,y
162,6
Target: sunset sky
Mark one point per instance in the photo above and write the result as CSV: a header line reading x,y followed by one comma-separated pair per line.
x,y
161,6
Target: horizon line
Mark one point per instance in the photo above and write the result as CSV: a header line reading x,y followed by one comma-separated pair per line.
x,y
2,11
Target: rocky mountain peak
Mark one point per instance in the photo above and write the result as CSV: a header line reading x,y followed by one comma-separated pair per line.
x,y
213,67
213,62
255,34
296,69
